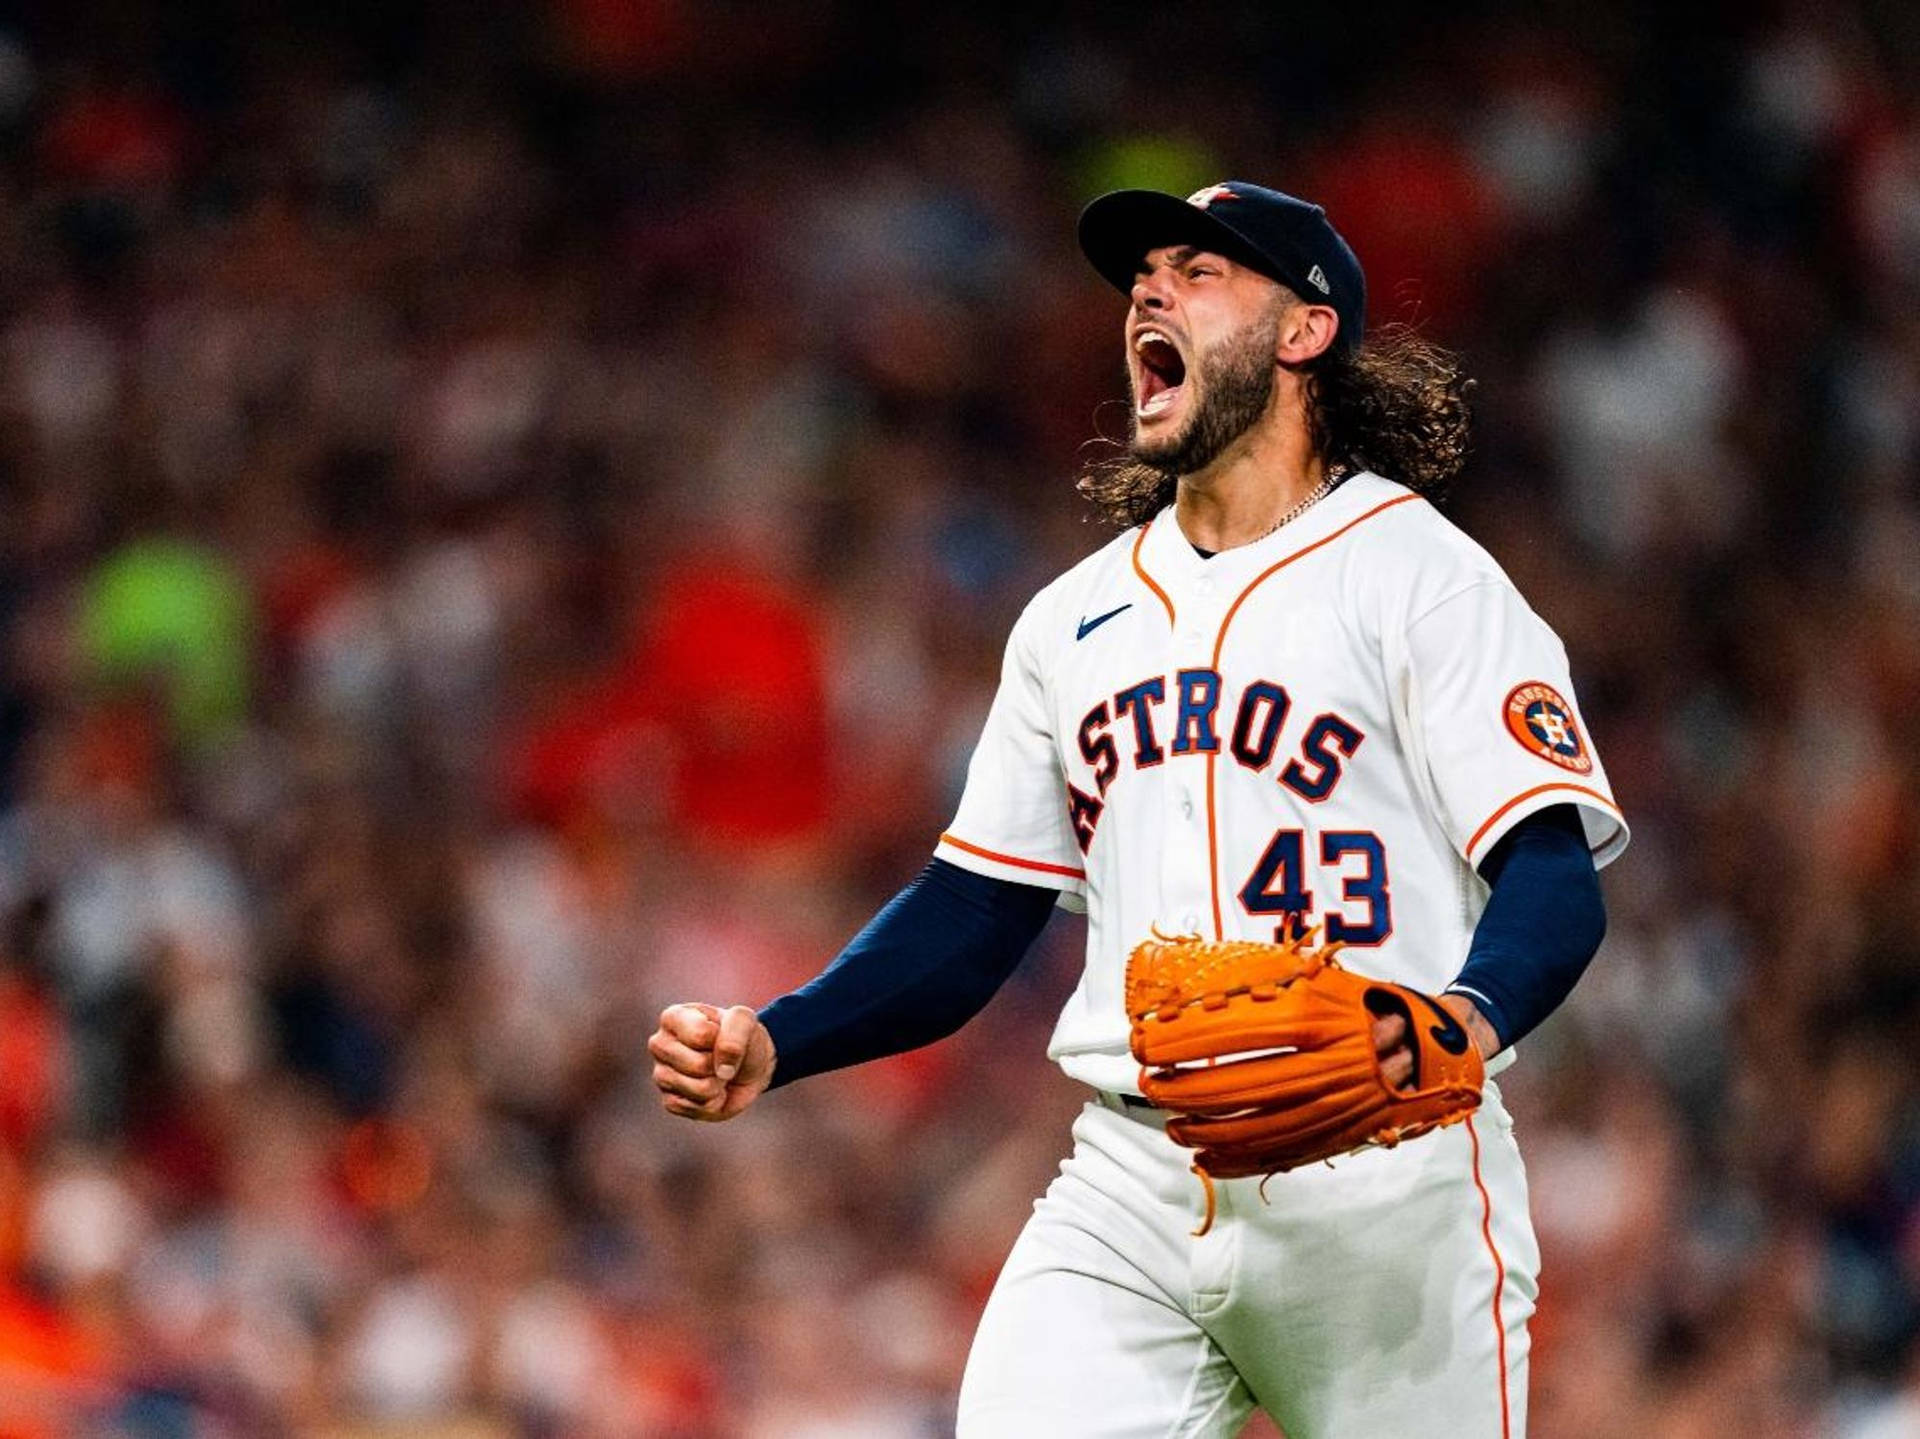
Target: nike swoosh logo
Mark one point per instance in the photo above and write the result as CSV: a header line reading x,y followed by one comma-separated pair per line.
x,y
1448,1034
1088,626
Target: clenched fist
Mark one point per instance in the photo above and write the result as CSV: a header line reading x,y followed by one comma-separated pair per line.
x,y
710,1063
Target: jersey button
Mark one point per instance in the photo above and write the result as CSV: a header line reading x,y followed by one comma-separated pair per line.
x,y
1186,805
1190,922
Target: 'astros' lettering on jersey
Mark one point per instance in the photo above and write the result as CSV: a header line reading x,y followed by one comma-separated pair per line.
x,y
1329,726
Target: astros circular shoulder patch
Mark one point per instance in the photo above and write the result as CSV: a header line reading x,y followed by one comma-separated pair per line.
x,y
1540,718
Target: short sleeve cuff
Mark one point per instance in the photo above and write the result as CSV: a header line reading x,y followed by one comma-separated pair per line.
x,y
1606,827
1071,880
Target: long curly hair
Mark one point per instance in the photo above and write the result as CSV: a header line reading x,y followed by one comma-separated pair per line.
x,y
1397,406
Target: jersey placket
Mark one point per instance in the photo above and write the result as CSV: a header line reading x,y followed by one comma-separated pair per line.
x,y
1186,855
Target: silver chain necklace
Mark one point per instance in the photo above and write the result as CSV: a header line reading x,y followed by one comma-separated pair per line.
x,y
1319,492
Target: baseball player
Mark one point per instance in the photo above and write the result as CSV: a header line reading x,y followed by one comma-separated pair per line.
x,y
1290,697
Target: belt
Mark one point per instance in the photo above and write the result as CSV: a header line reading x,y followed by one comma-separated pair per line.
x,y
1133,1106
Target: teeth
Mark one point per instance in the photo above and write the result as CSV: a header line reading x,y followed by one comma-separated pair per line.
x,y
1162,398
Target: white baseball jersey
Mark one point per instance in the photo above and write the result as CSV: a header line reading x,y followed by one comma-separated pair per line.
x,y
1331,726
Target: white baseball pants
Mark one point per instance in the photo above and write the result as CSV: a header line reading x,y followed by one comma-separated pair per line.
x,y
1385,1294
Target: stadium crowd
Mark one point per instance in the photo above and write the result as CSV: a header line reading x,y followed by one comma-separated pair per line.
x,y
508,516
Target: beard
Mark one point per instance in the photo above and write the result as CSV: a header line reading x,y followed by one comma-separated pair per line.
x,y
1235,387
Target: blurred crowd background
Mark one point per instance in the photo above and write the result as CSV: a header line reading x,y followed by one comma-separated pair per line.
x,y
508,517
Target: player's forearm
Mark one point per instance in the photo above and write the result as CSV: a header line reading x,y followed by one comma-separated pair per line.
x,y
1542,925
923,967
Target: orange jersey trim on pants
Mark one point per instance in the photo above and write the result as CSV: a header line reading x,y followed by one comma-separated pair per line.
x,y
1499,1279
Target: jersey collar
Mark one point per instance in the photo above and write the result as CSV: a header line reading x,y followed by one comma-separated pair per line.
x,y
1167,557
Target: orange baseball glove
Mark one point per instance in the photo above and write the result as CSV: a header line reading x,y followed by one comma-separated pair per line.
x,y
1265,1054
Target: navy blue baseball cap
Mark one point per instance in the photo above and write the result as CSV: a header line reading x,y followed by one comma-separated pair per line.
x,y
1284,238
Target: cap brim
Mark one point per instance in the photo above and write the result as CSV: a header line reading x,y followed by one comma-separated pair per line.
x,y
1118,229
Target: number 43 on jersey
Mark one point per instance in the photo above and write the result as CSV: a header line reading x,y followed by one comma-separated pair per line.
x,y
1353,859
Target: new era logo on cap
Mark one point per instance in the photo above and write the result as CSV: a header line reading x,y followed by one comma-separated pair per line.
x,y
1317,277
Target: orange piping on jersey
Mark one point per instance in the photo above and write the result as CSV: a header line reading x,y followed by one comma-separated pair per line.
x,y
1494,818
1145,578
1213,837
1499,1278
1220,643
1012,860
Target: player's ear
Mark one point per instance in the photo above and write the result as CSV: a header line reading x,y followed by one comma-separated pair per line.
x,y
1304,332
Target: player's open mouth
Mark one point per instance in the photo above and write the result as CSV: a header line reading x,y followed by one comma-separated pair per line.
x,y
1161,372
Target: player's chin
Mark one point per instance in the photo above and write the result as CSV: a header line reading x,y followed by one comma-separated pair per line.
x,y
1160,433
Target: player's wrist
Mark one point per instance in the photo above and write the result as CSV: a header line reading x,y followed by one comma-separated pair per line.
x,y
1485,1037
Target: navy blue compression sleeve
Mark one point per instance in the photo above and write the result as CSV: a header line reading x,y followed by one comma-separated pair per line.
x,y
1542,924
924,966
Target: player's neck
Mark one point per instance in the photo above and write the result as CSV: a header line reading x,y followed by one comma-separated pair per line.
x,y
1239,497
